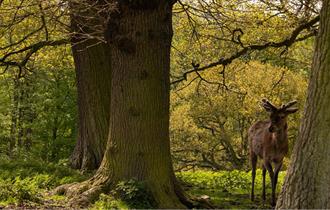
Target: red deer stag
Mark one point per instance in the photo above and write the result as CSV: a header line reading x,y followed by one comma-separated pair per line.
x,y
268,140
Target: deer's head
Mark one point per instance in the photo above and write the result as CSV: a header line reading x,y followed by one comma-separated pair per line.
x,y
278,116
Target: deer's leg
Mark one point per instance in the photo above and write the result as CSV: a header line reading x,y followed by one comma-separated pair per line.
x,y
269,168
263,183
276,171
254,160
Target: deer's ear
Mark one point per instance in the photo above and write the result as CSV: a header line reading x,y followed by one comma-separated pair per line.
x,y
291,110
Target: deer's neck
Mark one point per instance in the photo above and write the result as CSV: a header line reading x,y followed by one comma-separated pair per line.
x,y
281,135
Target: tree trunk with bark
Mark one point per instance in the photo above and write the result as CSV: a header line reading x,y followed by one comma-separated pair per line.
x,y
92,63
307,184
14,117
138,144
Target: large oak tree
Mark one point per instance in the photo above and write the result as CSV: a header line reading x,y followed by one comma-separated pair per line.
x,y
307,184
139,37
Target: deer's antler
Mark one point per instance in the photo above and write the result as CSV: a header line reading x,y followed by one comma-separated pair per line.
x,y
268,106
286,106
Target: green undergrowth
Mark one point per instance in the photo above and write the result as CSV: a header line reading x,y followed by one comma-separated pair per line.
x,y
130,194
229,189
225,189
25,183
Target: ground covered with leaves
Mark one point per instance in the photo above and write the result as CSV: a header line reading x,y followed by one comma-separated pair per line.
x,y
27,184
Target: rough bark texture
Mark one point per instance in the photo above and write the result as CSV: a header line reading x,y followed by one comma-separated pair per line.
x,y
93,75
307,183
138,144
92,63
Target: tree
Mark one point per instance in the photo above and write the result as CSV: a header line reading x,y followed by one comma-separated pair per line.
x,y
307,183
93,74
34,25
138,146
92,64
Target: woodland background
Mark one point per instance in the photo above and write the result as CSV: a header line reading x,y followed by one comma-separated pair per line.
x,y
210,110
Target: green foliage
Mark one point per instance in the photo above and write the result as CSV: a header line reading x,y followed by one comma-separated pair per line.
x,y
212,110
235,181
24,181
18,190
46,174
210,117
38,111
229,189
109,202
134,194
126,195
207,33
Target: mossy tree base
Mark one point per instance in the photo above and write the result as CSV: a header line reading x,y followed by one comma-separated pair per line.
x,y
85,193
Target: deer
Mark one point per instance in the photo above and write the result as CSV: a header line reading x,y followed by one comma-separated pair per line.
x,y
268,140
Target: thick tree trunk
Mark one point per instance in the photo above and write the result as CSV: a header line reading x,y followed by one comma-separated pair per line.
x,y
93,74
138,144
92,63
307,183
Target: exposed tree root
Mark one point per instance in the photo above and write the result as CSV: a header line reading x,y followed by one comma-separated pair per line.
x,y
84,193
192,202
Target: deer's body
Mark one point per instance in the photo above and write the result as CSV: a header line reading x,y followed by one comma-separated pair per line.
x,y
268,140
266,145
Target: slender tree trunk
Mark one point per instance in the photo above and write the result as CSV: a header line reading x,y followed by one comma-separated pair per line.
x,y
14,113
307,184
29,114
53,148
28,135
92,62
20,116
138,145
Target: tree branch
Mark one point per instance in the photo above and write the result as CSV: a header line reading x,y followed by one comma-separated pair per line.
x,y
30,51
285,43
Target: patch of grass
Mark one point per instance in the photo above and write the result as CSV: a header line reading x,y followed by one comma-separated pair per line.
x,y
109,202
24,184
229,189
46,174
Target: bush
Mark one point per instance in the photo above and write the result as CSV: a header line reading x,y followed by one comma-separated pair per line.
x,y
18,191
23,181
134,194
130,194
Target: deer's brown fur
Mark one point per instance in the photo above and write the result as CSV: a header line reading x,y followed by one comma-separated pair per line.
x,y
268,140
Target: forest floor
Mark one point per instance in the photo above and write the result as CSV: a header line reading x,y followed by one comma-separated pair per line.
x,y
26,185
